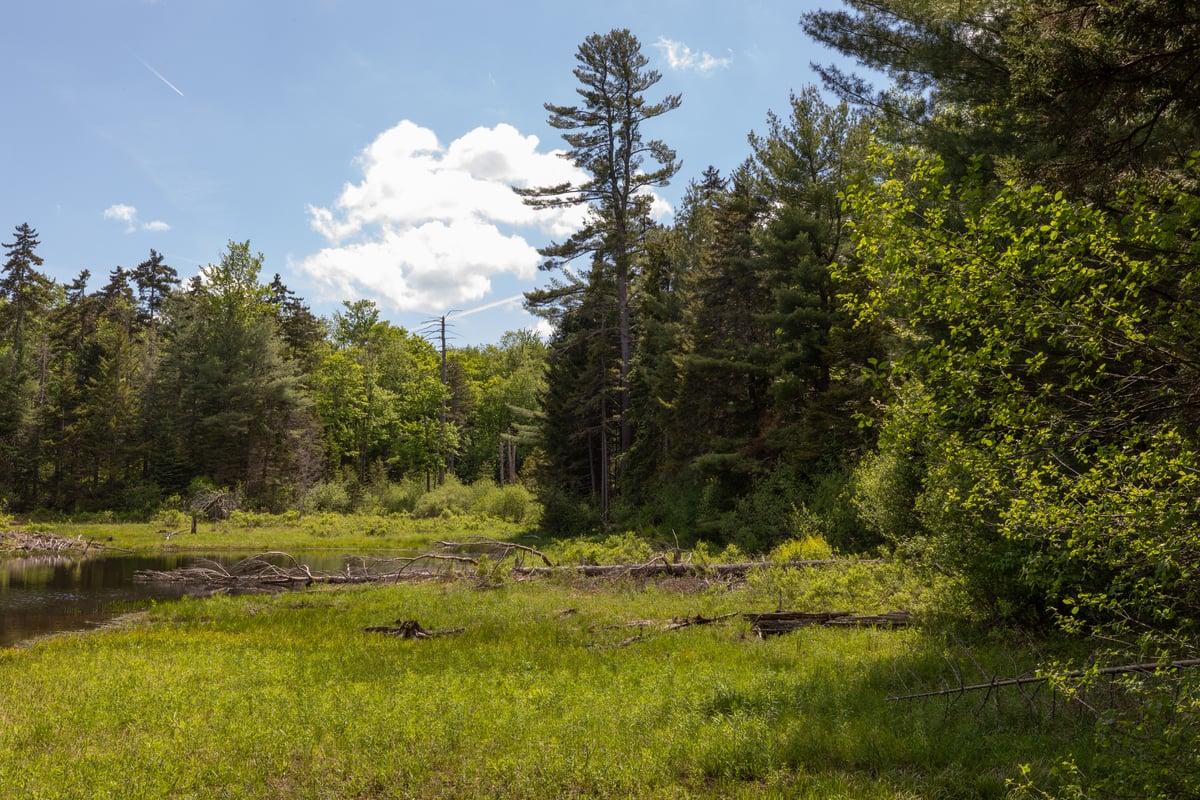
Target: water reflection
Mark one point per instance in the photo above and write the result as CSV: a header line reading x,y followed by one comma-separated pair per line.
x,y
41,594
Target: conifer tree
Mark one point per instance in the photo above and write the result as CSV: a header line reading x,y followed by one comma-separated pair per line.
x,y
605,140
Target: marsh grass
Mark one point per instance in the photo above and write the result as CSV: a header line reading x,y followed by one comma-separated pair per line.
x,y
245,531
540,695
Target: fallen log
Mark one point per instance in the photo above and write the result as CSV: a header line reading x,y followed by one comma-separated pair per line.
x,y
666,569
277,569
261,571
779,622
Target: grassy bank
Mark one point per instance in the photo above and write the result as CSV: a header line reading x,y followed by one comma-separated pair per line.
x,y
352,533
545,692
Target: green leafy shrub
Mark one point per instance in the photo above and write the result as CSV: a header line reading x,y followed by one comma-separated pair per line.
x,y
812,547
451,498
328,496
396,498
513,503
620,548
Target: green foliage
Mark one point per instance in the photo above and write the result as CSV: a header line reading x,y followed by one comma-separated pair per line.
x,y
395,498
1083,94
617,548
513,503
811,547
1039,362
452,498
328,496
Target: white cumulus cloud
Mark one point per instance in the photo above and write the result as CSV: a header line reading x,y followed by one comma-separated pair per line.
x,y
127,214
682,58
429,225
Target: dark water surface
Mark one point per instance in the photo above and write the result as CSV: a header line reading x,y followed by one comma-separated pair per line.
x,y
44,594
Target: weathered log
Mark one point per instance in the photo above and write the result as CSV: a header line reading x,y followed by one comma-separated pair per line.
x,y
778,622
262,571
665,569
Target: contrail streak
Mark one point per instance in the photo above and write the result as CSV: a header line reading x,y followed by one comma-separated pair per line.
x,y
489,306
159,75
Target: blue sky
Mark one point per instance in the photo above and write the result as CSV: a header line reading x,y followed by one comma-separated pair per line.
x,y
365,147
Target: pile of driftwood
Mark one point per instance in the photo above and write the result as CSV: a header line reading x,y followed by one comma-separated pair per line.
x,y
37,542
282,570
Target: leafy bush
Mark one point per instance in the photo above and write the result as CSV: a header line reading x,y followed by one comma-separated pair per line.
x,y
451,498
328,496
170,519
513,503
812,547
620,548
396,498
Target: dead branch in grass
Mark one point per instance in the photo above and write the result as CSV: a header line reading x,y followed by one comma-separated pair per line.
x,y
493,547
409,629
1121,669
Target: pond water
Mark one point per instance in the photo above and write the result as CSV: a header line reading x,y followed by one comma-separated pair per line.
x,y
43,594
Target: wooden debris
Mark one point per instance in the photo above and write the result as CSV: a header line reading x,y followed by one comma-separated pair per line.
x,y
661,568
278,569
779,622
675,624
409,629
889,619
493,547
699,619
1121,669
282,570
16,541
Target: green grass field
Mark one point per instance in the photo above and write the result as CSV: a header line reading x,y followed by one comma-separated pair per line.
x,y
545,692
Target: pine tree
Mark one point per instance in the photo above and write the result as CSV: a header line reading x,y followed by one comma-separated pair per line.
x,y
27,295
604,135
26,291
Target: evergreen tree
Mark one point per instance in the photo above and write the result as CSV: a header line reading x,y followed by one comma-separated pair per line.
x,y
1072,91
25,290
803,164
605,140
237,415
154,280
26,296
300,328
724,380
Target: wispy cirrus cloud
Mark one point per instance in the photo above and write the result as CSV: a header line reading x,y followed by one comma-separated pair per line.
x,y
127,214
682,58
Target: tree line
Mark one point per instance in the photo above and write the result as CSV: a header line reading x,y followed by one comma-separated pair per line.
x,y
120,397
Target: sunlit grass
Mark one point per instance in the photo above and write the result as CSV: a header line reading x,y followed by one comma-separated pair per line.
x,y
357,533
541,695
